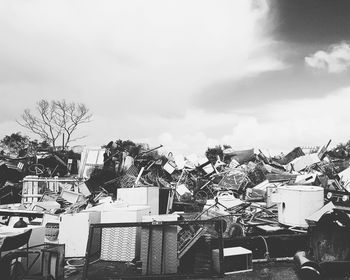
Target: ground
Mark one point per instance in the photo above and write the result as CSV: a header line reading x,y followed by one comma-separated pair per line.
x,y
264,271
273,271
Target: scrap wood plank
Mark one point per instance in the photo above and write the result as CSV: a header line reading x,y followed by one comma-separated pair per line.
x,y
190,243
280,177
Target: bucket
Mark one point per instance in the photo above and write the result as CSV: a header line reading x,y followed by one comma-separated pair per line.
x,y
296,203
169,167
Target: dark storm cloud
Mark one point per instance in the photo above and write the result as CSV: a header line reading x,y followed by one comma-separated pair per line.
x,y
289,84
311,21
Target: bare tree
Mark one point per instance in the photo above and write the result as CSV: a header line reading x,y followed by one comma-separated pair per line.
x,y
55,119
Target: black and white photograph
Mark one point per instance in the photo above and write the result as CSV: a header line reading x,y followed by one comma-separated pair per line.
x,y
172,139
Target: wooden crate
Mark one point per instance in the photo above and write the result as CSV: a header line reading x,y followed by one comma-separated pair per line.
x,y
34,187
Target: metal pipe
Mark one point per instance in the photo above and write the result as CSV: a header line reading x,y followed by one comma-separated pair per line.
x,y
151,150
281,259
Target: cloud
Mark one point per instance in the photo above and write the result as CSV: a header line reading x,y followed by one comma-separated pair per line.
x,y
138,64
280,126
276,127
9,127
143,55
335,60
269,86
311,21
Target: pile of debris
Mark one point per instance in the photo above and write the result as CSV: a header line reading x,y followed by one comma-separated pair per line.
x,y
46,163
246,174
251,193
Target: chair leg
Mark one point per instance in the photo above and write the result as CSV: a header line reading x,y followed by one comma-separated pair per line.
x,y
18,271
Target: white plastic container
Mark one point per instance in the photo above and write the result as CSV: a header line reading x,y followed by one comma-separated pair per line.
x,y
297,202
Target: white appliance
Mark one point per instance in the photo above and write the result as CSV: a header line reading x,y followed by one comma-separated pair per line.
x,y
122,243
141,196
73,231
297,202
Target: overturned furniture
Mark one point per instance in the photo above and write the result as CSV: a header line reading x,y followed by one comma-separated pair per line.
x,y
151,263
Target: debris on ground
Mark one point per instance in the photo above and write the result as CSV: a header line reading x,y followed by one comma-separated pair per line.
x,y
251,193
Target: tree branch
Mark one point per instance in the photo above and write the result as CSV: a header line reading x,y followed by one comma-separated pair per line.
x,y
55,118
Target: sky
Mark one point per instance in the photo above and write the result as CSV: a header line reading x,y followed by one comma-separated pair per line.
x,y
264,74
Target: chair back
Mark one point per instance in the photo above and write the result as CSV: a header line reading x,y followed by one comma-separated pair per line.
x,y
15,241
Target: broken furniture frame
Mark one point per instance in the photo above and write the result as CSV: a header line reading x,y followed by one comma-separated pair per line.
x,y
13,248
94,228
21,213
16,247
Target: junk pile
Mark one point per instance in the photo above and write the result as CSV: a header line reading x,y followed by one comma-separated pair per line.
x,y
257,198
43,164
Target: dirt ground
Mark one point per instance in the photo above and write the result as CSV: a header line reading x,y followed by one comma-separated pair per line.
x,y
264,271
273,271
